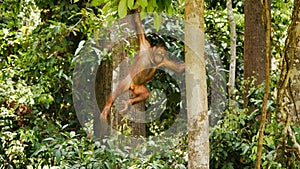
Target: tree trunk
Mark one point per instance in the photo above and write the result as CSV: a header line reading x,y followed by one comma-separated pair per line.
x,y
139,129
231,81
196,89
294,51
102,90
288,98
255,44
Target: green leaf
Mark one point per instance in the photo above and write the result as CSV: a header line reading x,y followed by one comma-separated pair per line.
x,y
96,2
157,21
151,7
136,5
57,155
130,4
170,10
153,3
143,15
43,148
143,3
122,9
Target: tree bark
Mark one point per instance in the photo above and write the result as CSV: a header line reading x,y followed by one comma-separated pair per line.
x,y
255,44
102,90
196,89
292,52
288,97
231,81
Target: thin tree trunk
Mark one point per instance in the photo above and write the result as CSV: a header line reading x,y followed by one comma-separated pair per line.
x,y
290,68
231,81
102,90
267,83
196,90
293,52
288,97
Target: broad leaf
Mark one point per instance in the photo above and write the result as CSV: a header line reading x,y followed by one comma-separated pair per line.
x,y
143,3
130,4
157,21
96,2
122,8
